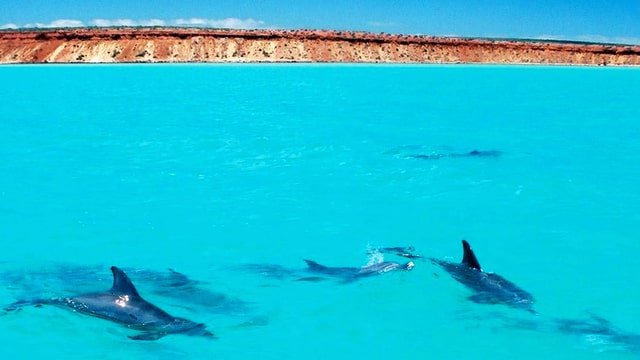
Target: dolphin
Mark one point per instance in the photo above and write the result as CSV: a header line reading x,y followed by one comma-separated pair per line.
x,y
124,305
354,273
600,331
472,153
177,288
488,288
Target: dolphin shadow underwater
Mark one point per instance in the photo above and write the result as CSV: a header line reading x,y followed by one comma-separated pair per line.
x,y
488,288
123,304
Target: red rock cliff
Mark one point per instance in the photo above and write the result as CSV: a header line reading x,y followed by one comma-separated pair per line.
x,y
215,45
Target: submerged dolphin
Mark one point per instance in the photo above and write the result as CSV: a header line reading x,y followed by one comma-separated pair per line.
x,y
601,332
123,304
489,288
473,153
355,273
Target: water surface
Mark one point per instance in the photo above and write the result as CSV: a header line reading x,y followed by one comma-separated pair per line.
x,y
202,168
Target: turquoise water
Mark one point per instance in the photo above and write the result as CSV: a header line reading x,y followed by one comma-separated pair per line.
x,y
203,168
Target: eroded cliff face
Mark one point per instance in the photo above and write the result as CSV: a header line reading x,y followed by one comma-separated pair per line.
x,y
213,45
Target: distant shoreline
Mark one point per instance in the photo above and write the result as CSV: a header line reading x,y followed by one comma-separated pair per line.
x,y
199,45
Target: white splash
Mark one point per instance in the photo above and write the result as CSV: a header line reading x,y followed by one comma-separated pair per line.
x,y
375,256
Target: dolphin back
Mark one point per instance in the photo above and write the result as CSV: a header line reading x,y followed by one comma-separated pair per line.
x,y
332,271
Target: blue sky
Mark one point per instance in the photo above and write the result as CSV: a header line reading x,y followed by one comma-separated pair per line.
x,y
587,20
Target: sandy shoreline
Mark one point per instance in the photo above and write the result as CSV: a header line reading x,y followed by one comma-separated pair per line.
x,y
168,45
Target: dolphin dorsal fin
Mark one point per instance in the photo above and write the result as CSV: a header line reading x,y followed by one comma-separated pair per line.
x,y
314,265
121,283
469,258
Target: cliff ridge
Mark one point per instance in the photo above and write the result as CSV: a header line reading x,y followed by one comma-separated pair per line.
x,y
136,45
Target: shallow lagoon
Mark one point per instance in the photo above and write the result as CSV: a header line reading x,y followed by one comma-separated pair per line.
x,y
202,168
